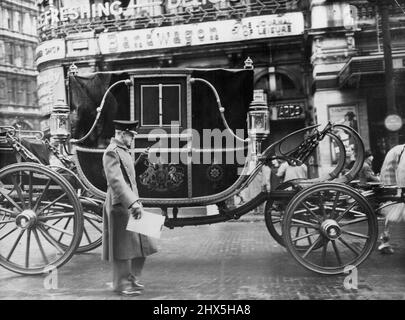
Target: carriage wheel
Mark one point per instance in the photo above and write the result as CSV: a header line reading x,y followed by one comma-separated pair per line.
x,y
92,214
92,227
274,213
338,221
32,199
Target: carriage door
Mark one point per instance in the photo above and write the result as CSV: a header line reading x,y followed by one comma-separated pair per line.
x,y
161,106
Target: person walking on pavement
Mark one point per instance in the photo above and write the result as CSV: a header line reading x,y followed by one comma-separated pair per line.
x,y
392,174
366,173
288,171
125,249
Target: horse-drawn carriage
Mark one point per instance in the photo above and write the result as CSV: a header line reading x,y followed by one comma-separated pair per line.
x,y
193,123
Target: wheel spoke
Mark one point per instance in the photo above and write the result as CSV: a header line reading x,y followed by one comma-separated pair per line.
x,y
354,250
93,217
355,234
305,236
6,221
18,190
11,213
321,207
27,253
65,226
297,225
92,223
50,239
311,247
8,233
307,224
15,245
335,202
353,222
335,248
311,212
55,216
324,250
87,235
51,204
39,200
57,229
340,217
30,189
41,248
309,238
5,195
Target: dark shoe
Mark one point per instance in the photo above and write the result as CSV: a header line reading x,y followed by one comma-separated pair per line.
x,y
137,285
129,292
385,248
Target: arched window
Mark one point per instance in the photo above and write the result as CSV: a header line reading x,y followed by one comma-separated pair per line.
x,y
285,87
278,86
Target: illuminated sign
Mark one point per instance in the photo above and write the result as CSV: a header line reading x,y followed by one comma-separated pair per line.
x,y
54,16
258,27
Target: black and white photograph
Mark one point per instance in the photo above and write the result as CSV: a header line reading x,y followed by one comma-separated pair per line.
x,y
220,152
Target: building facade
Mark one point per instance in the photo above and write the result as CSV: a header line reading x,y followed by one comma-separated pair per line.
x,y
18,84
348,69
316,60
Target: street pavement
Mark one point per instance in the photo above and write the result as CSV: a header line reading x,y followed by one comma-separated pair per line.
x,y
232,260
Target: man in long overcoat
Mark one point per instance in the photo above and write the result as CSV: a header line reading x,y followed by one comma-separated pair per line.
x,y
125,249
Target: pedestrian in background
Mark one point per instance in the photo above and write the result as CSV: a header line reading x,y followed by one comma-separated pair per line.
x,y
366,173
288,171
125,249
392,174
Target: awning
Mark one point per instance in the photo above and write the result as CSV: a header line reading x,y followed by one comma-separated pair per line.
x,y
367,67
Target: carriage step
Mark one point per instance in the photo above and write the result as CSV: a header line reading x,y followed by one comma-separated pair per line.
x,y
184,212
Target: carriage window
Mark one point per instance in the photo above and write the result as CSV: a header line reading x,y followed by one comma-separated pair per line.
x,y
160,104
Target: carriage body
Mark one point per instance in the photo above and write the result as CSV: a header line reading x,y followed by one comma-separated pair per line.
x,y
178,109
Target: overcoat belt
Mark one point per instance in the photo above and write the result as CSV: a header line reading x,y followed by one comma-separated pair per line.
x,y
122,192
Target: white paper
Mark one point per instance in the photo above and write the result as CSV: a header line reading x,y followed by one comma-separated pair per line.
x,y
150,224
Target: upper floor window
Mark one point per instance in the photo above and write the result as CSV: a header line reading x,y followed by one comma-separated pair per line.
x,y
17,21
9,53
29,57
2,52
19,55
8,19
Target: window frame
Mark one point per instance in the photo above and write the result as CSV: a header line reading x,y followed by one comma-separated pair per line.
x,y
155,79
161,111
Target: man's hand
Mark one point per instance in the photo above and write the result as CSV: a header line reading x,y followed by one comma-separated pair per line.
x,y
136,211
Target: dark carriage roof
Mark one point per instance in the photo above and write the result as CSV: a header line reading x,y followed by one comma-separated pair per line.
x,y
161,71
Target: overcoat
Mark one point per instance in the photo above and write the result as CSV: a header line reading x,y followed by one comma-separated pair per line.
x,y
122,192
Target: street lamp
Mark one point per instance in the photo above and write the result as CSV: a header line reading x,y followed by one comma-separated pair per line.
x,y
59,122
258,123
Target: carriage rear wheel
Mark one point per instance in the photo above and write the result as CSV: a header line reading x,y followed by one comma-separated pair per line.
x,y
92,212
339,222
274,212
33,199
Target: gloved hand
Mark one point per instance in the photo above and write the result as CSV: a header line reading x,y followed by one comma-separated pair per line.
x,y
136,211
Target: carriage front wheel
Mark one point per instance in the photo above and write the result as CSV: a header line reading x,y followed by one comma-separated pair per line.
x,y
35,205
339,224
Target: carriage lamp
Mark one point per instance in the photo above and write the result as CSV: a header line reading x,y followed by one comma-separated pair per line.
x,y
59,122
258,121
